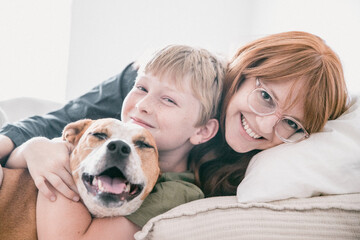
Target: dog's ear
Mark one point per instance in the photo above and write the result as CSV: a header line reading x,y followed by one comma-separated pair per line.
x,y
73,131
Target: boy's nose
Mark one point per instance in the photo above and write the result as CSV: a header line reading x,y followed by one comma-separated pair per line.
x,y
145,105
267,123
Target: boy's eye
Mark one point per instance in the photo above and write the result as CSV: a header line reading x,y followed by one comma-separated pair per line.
x,y
99,135
143,144
141,88
170,100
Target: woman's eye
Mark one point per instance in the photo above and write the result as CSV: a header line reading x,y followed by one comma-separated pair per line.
x,y
143,144
292,124
266,99
266,96
99,135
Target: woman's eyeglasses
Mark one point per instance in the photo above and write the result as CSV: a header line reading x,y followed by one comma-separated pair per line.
x,y
286,128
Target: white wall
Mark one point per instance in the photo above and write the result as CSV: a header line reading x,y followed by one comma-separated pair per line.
x,y
34,47
107,35
43,55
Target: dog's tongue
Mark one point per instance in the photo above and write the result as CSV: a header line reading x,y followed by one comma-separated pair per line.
x,y
111,185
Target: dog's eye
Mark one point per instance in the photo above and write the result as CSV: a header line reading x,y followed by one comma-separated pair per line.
x,y
142,144
99,135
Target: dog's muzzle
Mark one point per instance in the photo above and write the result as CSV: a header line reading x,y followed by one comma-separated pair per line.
x,y
112,185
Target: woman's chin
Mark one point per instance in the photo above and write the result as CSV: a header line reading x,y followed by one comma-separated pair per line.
x,y
240,146
240,143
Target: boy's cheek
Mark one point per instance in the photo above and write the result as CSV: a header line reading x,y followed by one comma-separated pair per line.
x,y
124,113
127,106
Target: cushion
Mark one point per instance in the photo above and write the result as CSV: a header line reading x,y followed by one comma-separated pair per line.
x,y
22,107
326,163
321,218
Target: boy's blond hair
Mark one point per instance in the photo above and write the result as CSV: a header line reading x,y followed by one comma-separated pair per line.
x,y
205,71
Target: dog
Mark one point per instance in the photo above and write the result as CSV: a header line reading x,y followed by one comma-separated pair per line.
x,y
114,166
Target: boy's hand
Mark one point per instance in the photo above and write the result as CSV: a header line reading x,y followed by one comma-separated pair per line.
x,y
48,163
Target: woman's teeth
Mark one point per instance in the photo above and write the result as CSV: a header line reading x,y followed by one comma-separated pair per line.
x,y
248,130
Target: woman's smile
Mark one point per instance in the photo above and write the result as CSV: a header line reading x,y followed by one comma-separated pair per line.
x,y
247,128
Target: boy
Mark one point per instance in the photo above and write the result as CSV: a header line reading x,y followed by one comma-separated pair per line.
x,y
175,97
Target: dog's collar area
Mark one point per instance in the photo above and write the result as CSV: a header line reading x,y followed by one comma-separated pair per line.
x,y
111,186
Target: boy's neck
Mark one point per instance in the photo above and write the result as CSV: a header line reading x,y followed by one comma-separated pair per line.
x,y
173,162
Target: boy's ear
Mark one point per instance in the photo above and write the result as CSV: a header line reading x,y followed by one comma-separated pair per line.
x,y
205,132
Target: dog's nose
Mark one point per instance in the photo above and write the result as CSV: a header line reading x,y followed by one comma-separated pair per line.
x,y
119,147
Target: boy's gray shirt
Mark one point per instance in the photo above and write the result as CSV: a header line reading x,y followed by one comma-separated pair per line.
x,y
103,101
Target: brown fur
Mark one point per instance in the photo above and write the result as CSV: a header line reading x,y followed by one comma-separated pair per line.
x,y
150,167
17,205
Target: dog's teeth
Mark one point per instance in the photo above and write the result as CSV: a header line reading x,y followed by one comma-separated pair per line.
x,y
127,189
100,185
94,182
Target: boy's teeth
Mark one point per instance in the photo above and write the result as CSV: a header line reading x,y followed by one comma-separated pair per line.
x,y
248,130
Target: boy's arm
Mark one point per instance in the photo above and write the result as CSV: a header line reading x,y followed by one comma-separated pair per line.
x,y
6,147
68,220
1,175
103,101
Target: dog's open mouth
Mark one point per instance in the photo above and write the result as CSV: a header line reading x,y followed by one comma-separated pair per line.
x,y
111,184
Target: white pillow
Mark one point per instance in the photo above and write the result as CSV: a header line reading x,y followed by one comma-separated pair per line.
x,y
326,163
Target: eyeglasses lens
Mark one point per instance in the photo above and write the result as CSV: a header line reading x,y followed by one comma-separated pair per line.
x,y
261,102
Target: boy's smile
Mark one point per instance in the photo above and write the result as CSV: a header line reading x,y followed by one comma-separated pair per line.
x,y
141,122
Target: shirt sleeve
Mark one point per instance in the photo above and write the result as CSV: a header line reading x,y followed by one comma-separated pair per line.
x,y
165,196
104,100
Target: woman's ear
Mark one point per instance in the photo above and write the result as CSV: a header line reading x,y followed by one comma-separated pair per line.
x,y
205,132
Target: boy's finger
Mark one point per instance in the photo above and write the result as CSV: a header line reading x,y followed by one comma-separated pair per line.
x,y
68,179
69,146
44,189
61,187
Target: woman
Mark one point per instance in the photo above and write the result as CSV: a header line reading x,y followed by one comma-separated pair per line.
x,y
280,88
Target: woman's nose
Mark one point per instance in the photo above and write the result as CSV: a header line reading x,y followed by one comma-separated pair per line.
x,y
267,123
145,104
